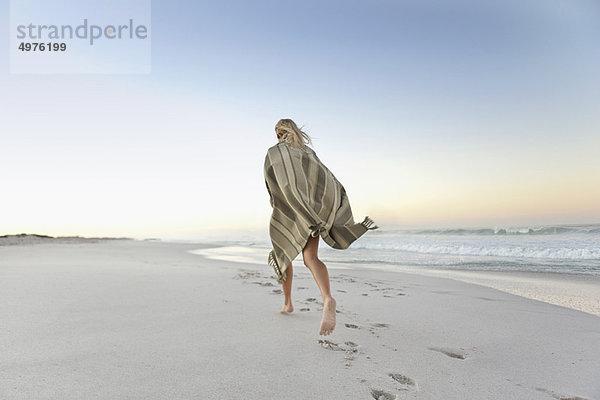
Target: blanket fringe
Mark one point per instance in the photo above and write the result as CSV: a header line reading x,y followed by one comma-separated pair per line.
x,y
367,222
273,264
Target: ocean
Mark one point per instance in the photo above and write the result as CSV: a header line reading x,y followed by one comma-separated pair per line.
x,y
557,248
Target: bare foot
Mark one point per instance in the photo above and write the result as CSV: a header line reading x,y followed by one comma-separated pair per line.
x,y
286,308
328,321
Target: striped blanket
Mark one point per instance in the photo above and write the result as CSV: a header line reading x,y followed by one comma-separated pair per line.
x,y
307,200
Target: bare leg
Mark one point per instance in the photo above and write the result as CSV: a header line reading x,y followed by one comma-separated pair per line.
x,y
321,275
287,290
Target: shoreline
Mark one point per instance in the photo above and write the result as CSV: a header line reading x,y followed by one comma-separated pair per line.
x,y
579,292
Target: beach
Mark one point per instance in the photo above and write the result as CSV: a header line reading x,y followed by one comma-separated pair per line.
x,y
115,319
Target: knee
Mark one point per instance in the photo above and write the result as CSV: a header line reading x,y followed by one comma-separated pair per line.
x,y
309,261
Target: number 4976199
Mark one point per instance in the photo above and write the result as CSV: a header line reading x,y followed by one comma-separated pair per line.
x,y
42,46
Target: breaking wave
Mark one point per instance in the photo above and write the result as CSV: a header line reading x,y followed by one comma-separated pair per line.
x,y
565,253
542,230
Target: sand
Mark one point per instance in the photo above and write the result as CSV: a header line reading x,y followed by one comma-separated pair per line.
x,y
131,319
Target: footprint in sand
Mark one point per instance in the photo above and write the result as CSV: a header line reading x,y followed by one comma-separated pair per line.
x,y
406,383
380,325
301,287
351,352
450,352
341,290
247,274
264,283
382,395
311,299
305,309
405,380
350,348
345,278
329,345
351,326
277,291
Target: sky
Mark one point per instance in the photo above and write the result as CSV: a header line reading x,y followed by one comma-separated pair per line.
x,y
431,114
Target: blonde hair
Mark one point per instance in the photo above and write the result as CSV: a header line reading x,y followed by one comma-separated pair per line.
x,y
288,131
